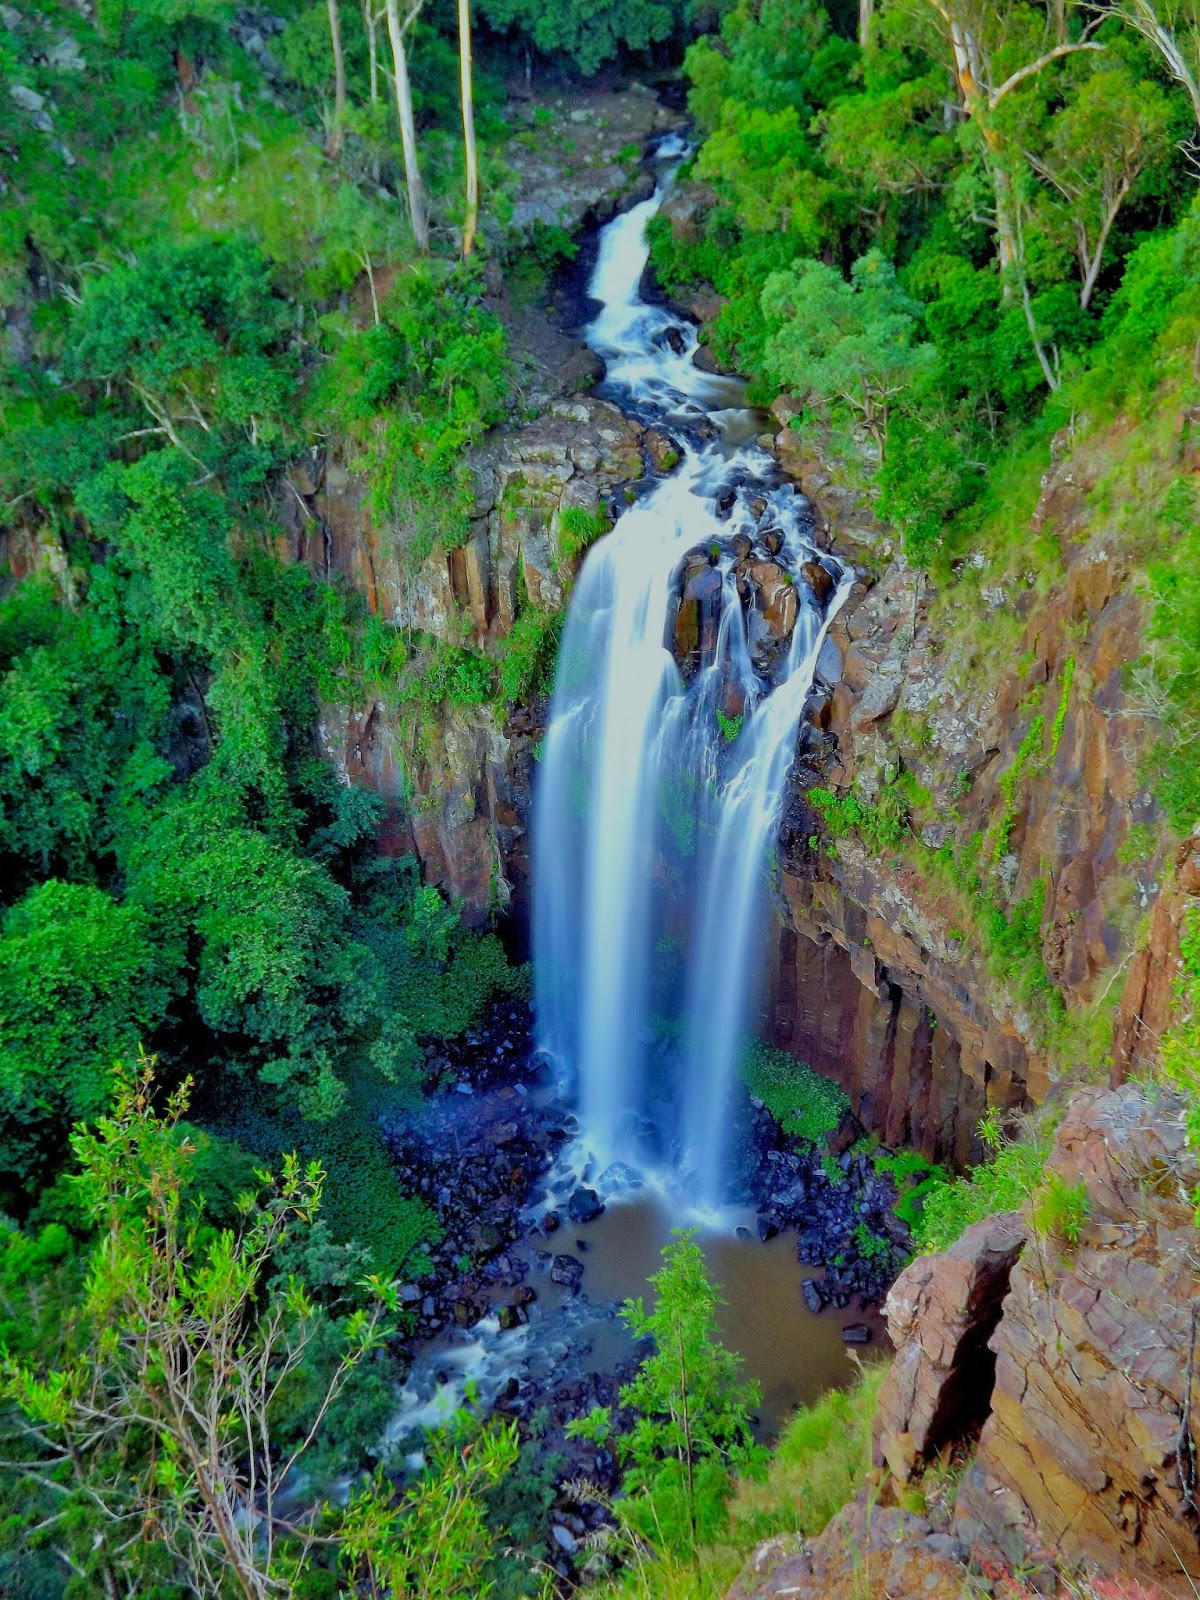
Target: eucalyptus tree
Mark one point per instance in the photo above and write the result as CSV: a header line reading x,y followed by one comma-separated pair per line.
x,y
993,50
397,33
334,146
1172,27
1110,130
470,150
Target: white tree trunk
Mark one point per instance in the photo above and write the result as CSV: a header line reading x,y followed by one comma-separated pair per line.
x,y
334,146
408,129
470,151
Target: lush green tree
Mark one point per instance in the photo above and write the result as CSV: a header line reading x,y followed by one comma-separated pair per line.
x,y
589,34
156,1408
81,979
850,347
1113,127
83,709
693,1413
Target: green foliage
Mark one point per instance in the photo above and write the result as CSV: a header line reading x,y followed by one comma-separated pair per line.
x,y
1060,1209
693,1415
1006,1182
411,393
847,347
730,726
436,1545
1028,756
81,979
821,1460
915,1179
577,529
529,653
850,235
881,825
587,35
806,1104
1180,1056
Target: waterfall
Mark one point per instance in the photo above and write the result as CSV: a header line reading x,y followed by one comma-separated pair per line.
x,y
690,648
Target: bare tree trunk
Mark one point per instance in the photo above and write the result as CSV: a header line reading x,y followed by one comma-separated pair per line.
x,y
370,22
334,147
408,129
470,151
866,12
1091,268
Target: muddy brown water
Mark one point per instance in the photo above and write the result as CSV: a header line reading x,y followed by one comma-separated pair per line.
x,y
793,1355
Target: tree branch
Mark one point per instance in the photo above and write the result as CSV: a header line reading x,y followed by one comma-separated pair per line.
x,y
1035,67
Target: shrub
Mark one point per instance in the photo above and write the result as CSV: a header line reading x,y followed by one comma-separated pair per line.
x,y
806,1104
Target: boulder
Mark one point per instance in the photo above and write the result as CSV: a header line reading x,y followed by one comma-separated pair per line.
x,y
940,1312
567,1271
698,619
865,1550
583,1205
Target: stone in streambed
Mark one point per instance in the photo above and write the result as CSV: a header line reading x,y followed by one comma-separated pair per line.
x,y
856,1333
567,1271
511,1317
813,1298
583,1205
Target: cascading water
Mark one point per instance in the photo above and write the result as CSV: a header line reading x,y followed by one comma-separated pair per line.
x,y
689,652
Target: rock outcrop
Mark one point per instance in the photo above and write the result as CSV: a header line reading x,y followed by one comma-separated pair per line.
x,y
941,1312
460,784
1087,1446
865,1550
1018,730
1080,1361
1090,1448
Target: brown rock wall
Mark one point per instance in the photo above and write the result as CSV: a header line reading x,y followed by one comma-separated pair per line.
x,y
941,1312
1081,1452
460,784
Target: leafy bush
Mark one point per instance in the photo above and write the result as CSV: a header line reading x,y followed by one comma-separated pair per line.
x,y
1006,1182
806,1104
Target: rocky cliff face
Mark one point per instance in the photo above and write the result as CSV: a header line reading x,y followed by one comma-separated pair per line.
x,y
461,784
1006,704
1064,1372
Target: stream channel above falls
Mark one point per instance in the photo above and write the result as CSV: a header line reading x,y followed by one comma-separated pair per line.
x,y
571,1138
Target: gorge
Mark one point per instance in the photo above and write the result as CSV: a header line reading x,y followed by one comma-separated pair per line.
x,y
599,886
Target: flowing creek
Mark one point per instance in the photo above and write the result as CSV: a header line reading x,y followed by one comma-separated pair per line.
x,y
694,634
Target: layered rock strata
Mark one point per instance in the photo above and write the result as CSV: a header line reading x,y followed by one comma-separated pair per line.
x,y
1089,1399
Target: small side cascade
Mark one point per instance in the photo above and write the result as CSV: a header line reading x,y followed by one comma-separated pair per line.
x,y
689,653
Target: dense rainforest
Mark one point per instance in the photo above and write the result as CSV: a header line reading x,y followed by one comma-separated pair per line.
x,y
953,247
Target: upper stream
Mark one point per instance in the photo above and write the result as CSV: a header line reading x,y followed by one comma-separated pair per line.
x,y
689,652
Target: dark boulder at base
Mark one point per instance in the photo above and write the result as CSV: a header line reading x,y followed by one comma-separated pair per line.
x,y
567,1271
583,1205
856,1333
813,1298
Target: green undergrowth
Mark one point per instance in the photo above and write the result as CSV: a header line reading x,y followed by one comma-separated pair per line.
x,y
805,1103
820,1461
1180,1062
1007,1181
915,1179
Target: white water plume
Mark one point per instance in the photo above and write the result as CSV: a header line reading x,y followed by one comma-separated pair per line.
x,y
659,789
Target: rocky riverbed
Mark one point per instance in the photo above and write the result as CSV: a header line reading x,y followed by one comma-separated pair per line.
x,y
522,1296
